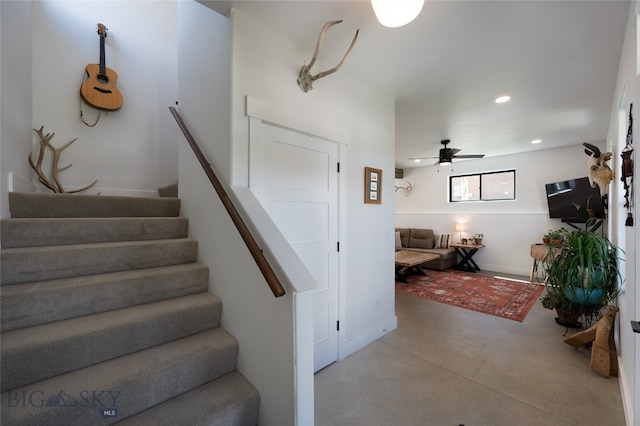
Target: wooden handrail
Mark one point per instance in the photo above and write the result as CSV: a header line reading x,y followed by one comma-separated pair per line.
x,y
254,249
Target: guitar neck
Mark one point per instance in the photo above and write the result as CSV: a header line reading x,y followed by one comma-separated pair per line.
x,y
103,67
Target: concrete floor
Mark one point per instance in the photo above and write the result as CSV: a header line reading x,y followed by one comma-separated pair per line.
x,y
451,366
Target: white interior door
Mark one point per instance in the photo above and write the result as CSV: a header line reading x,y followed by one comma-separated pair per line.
x,y
299,186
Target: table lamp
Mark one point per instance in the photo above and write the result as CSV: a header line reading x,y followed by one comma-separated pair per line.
x,y
460,228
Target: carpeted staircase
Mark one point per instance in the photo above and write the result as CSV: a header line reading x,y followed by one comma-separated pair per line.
x,y
106,318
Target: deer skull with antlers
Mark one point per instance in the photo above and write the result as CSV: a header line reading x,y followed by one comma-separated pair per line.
x,y
305,79
600,173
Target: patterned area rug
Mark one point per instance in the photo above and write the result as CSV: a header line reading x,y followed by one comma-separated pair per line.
x,y
494,296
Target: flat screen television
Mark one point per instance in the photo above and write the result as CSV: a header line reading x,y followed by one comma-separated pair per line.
x,y
562,195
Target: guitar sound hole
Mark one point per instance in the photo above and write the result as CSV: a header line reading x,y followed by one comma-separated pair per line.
x,y
102,78
101,90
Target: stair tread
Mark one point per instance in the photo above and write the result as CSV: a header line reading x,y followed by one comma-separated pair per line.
x,y
31,351
30,232
106,317
30,304
138,380
229,400
89,246
53,286
30,264
78,205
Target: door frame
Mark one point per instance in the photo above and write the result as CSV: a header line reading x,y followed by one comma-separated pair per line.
x,y
260,112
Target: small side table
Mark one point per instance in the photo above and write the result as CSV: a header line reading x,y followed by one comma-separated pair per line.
x,y
541,253
466,252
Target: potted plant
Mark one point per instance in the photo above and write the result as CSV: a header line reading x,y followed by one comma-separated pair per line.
x,y
553,237
582,272
568,313
477,238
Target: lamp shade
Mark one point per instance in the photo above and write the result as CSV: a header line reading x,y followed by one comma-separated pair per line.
x,y
396,13
459,227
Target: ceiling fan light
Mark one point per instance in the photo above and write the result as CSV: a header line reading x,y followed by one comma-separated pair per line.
x,y
396,13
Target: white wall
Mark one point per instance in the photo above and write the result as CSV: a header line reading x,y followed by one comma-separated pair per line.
x,y
509,227
367,118
265,68
627,237
263,324
15,104
131,151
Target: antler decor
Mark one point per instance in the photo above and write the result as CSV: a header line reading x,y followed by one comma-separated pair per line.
x,y
55,185
407,189
305,79
600,173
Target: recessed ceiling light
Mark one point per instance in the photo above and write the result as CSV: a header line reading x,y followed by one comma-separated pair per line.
x,y
536,141
417,160
503,99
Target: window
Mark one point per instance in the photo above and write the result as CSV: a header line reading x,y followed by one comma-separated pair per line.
x,y
489,186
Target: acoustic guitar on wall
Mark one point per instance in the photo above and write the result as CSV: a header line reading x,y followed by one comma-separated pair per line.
x,y
99,89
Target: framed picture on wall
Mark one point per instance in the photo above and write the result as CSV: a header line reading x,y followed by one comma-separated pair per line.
x,y
372,186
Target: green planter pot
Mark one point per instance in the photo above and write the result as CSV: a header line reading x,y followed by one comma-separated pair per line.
x,y
584,296
593,296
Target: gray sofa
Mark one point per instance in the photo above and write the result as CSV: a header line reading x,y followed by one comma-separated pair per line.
x,y
415,239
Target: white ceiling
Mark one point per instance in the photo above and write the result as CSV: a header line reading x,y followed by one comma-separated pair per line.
x,y
558,60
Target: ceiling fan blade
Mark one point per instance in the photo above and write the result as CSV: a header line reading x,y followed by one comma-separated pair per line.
x,y
446,154
469,156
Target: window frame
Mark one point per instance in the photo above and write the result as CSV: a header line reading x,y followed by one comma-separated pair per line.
x,y
480,176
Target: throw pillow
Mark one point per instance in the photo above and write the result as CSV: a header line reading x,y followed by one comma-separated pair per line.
x,y
421,238
398,241
442,241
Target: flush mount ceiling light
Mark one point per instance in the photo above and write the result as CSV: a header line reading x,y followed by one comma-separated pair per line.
x,y
503,99
396,13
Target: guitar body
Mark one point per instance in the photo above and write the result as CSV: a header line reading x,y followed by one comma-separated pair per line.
x,y
99,89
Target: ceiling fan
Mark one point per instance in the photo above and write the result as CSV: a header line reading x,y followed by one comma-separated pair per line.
x,y
447,154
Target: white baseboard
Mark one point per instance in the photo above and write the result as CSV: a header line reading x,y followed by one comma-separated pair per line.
x,y
354,344
120,192
505,269
19,184
626,393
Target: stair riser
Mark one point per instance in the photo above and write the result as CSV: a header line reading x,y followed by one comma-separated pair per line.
x,y
138,381
49,232
24,265
23,205
98,295
28,305
36,353
236,401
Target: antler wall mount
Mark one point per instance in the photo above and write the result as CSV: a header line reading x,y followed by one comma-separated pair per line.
x,y
305,78
407,189
598,170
